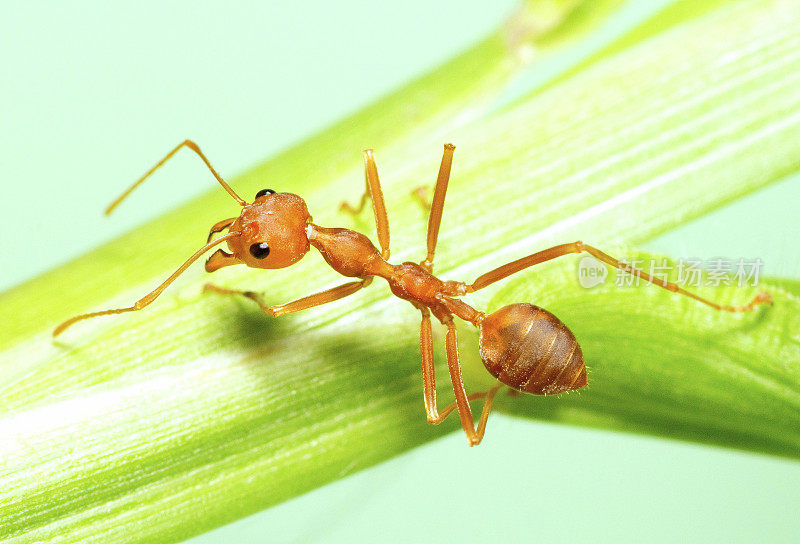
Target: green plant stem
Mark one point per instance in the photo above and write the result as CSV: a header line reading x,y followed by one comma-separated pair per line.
x,y
154,426
676,368
434,104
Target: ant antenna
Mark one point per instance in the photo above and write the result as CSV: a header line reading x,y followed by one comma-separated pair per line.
x,y
152,295
194,147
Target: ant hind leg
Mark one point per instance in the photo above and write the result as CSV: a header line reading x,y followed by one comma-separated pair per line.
x,y
554,252
489,395
474,435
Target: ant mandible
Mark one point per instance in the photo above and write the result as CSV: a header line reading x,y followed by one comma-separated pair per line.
x,y
525,347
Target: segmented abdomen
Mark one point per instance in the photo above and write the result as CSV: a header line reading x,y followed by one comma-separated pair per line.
x,y
530,349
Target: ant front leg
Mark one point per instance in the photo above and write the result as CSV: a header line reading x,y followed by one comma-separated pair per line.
x,y
578,247
373,189
317,299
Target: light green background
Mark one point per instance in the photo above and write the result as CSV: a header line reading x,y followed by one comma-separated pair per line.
x,y
93,93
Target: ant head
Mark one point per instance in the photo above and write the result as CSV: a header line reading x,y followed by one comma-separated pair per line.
x,y
272,233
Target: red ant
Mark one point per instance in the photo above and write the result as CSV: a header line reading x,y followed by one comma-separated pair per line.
x,y
525,347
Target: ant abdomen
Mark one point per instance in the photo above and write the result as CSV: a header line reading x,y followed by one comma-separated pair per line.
x,y
531,350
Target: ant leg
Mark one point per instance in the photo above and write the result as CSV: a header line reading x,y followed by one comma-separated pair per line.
x,y
487,406
194,147
428,374
578,247
462,400
373,190
429,383
355,210
422,195
437,205
317,299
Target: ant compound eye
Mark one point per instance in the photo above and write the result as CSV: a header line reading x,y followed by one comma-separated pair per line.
x,y
264,192
259,250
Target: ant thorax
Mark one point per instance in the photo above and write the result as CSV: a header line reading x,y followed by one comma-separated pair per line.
x,y
348,252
